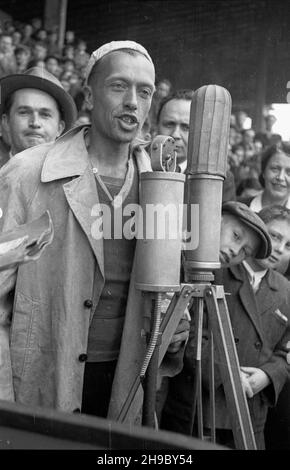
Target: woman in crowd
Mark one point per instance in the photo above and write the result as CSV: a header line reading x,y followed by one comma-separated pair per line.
x,y
274,178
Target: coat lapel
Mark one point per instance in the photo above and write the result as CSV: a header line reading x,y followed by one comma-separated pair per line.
x,y
68,158
82,197
266,295
248,298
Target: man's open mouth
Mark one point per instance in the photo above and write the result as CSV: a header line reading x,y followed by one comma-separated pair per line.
x,y
129,119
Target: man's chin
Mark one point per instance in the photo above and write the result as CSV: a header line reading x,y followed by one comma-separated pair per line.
x,y
32,142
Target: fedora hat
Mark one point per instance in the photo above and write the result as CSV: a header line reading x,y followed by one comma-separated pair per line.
x,y
41,79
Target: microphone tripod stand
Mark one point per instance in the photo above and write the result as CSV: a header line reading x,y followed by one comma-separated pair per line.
x,y
221,336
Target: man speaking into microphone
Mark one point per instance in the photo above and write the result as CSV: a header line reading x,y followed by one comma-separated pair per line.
x,y
72,338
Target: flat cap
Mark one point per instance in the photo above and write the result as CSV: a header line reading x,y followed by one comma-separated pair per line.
x,y
252,220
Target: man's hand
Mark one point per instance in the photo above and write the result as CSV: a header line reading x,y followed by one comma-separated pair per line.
x,y
246,386
256,378
180,336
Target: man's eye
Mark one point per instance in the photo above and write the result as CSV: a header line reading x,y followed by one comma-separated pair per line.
x,y
169,125
236,236
146,93
185,127
118,86
274,236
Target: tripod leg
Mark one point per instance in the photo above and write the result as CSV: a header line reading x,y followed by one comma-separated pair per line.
x,y
221,328
212,389
197,391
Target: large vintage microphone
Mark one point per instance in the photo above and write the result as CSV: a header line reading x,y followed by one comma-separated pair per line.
x,y
158,251
206,170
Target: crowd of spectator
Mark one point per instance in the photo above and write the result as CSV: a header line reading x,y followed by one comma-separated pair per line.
x,y
246,148
23,46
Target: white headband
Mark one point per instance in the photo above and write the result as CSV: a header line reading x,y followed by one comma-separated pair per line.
x,y
114,46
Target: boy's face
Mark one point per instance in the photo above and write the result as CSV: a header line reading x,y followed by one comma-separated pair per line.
x,y
237,241
279,231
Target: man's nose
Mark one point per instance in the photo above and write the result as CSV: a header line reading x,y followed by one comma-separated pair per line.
x,y
131,98
176,133
235,249
34,120
279,247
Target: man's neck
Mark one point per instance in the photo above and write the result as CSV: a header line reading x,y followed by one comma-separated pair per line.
x,y
109,157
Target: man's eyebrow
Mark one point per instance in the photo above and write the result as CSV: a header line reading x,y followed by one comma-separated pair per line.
x,y
128,80
22,106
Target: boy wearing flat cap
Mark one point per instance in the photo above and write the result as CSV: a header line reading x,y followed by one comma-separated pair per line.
x,y
259,311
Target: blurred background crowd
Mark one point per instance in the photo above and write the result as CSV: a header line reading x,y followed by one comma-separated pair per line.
x,y
25,45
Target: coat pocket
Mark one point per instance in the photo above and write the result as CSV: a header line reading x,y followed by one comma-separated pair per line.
x,y
31,325
23,332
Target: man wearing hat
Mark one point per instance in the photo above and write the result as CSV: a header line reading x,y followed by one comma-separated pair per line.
x,y
76,341
35,109
258,305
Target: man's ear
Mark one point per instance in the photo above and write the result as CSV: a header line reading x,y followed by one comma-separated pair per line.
x,y
88,97
61,127
4,122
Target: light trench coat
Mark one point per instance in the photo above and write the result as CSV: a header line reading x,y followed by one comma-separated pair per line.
x,y
44,320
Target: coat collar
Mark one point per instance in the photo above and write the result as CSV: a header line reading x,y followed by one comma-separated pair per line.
x,y
68,156
270,278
